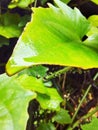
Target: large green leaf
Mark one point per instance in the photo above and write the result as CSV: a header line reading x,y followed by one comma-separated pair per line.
x,y
47,97
13,104
54,36
20,3
9,25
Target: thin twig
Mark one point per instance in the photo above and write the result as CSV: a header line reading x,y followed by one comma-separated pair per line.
x,y
35,3
75,114
88,89
85,117
57,73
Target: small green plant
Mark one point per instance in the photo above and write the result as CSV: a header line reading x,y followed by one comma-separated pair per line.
x,y
53,36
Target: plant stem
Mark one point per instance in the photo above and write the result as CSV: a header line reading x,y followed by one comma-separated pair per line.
x,y
57,73
88,89
85,117
35,3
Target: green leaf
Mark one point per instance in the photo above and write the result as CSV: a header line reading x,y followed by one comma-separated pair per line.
x,y
94,25
43,1
46,126
24,20
95,1
92,31
50,100
62,117
32,83
93,125
92,42
13,104
3,41
54,36
94,20
9,25
65,1
47,97
35,71
20,3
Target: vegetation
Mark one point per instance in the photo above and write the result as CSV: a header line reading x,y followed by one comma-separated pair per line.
x,y
50,79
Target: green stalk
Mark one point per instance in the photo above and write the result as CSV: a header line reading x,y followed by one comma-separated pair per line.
x,y
88,89
85,117
75,114
35,3
57,73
